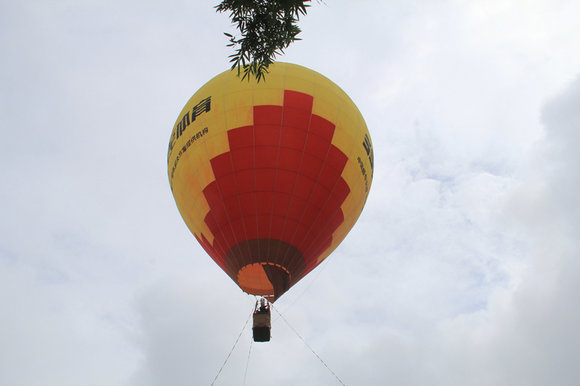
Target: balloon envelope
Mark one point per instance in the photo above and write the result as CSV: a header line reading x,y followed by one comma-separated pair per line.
x,y
270,176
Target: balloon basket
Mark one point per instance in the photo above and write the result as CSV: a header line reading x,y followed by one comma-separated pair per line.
x,y
261,326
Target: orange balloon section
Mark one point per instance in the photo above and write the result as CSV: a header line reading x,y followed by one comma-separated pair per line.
x,y
270,176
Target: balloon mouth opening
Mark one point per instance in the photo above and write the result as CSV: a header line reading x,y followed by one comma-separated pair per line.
x,y
264,279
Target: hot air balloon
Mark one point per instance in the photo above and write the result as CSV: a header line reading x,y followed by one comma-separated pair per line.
x,y
270,176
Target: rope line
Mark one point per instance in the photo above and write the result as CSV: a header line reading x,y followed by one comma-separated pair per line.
x,y
232,350
248,361
307,345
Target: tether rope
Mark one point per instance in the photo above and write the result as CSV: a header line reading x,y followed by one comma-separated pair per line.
x,y
307,345
248,362
232,350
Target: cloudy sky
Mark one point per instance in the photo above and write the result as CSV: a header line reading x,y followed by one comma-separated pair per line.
x,y
463,269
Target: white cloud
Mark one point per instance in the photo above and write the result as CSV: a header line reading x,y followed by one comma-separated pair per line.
x,y
527,335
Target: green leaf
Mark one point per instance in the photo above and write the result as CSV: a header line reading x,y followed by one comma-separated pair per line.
x,y
267,28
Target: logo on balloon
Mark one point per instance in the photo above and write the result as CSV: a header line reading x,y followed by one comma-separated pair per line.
x,y
202,107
